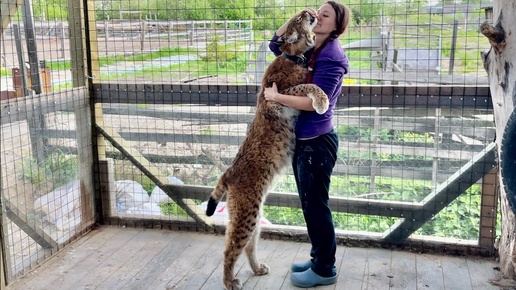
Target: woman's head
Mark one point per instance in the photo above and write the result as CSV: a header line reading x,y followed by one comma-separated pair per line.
x,y
333,19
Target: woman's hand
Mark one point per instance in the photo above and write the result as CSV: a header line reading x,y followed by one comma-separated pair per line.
x,y
312,11
271,93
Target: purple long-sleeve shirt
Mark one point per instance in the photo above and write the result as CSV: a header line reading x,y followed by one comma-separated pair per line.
x,y
330,67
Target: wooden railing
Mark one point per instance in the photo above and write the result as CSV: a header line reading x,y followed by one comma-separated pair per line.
x,y
461,165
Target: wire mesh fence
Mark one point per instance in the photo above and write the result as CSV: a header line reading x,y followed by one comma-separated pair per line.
x,y
174,87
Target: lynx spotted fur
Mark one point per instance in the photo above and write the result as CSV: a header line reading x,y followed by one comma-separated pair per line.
x,y
266,150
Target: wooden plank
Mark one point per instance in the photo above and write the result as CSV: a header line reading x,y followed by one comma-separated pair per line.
x,y
378,269
90,261
403,271
415,77
464,152
481,271
279,260
67,259
353,268
214,280
446,193
112,262
172,256
429,272
20,109
455,273
29,226
138,260
362,96
128,258
488,209
188,268
342,204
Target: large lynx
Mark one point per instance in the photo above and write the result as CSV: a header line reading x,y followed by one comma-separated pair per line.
x,y
266,150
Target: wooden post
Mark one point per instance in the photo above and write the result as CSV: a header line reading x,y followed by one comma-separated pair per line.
x,y
80,78
488,206
107,188
23,91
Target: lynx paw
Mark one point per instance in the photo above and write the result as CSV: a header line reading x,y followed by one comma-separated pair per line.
x,y
232,284
320,104
262,270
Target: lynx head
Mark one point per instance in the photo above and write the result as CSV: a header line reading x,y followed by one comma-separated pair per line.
x,y
298,36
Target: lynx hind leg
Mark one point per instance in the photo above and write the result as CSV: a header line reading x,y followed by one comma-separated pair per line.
x,y
320,100
234,246
250,250
239,233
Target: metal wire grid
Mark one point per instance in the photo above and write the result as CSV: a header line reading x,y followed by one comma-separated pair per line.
x,y
400,154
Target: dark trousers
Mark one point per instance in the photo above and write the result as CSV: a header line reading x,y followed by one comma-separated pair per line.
x,y
313,164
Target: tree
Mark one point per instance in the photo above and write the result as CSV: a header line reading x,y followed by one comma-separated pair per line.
x,y
499,63
233,9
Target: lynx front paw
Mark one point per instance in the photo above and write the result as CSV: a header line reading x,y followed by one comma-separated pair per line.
x,y
262,270
232,284
320,104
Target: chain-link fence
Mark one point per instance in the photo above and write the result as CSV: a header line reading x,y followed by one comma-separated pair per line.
x,y
173,94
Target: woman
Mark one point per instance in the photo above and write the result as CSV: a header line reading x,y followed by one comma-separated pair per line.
x,y
316,144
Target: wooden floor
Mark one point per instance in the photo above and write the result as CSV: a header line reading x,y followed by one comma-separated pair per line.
x,y
135,258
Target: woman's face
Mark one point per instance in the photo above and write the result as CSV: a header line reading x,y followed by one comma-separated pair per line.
x,y
325,20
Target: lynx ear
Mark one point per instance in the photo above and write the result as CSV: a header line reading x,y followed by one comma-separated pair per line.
x,y
293,38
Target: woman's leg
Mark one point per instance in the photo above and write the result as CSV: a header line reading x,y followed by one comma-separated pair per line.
x,y
313,164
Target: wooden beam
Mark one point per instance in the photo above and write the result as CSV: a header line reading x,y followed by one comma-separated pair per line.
x,y
29,226
445,194
189,206
459,97
20,109
291,200
7,10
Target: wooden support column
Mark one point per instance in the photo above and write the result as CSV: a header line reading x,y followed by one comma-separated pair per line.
x,y
488,212
78,26
107,188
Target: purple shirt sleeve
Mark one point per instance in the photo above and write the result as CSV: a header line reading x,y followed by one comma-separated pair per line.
x,y
330,67
274,45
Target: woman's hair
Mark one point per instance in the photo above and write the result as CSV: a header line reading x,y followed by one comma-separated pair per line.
x,y
342,16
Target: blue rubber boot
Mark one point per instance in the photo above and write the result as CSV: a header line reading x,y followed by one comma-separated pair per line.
x,y
301,266
309,278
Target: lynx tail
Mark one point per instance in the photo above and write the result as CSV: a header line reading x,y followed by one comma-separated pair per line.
x,y
216,196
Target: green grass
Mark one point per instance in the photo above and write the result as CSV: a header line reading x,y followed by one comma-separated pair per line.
x,y
109,60
5,72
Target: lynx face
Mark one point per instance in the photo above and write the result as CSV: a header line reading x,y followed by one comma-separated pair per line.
x,y
298,37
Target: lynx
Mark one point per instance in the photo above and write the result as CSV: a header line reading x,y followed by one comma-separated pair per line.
x,y
267,148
